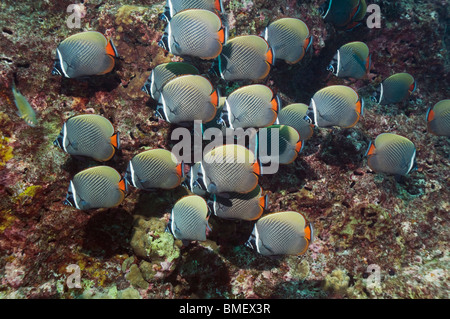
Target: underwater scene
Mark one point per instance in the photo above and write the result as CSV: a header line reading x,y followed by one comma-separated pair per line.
x,y
221,149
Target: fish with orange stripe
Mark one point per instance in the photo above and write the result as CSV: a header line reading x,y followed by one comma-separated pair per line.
x,y
175,6
238,206
352,60
289,38
96,187
228,168
395,89
253,105
392,154
85,54
89,135
247,57
155,169
438,118
289,144
335,105
281,233
188,98
344,14
195,32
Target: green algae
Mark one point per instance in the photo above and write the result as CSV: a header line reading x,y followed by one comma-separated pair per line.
x,y
134,276
6,151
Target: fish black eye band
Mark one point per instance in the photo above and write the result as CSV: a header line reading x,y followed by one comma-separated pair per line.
x,y
70,200
332,67
59,141
164,42
376,95
251,242
323,9
146,88
308,119
57,70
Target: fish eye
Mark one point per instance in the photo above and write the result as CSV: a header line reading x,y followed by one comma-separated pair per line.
x,y
308,119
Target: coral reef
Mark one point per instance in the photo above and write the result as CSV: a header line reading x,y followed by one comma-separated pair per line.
x,y
360,218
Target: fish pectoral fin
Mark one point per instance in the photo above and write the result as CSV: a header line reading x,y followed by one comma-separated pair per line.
x,y
74,145
186,242
212,188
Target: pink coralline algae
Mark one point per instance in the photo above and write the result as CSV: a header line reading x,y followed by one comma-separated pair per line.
x,y
360,218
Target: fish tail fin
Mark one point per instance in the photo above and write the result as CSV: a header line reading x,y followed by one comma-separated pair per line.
x,y
223,34
308,43
123,185
299,146
115,141
413,87
257,168
111,49
360,106
270,56
180,169
368,63
276,104
218,5
265,201
370,149
215,98
430,114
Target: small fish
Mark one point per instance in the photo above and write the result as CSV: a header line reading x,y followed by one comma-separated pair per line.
x,y
24,109
187,98
195,32
289,144
189,219
438,118
395,89
237,206
175,6
253,105
154,169
289,38
96,187
392,154
294,116
352,60
283,233
163,73
341,13
246,57
229,168
88,135
335,105
85,54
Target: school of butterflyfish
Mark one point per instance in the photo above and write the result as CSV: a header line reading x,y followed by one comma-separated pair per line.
x,y
225,181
